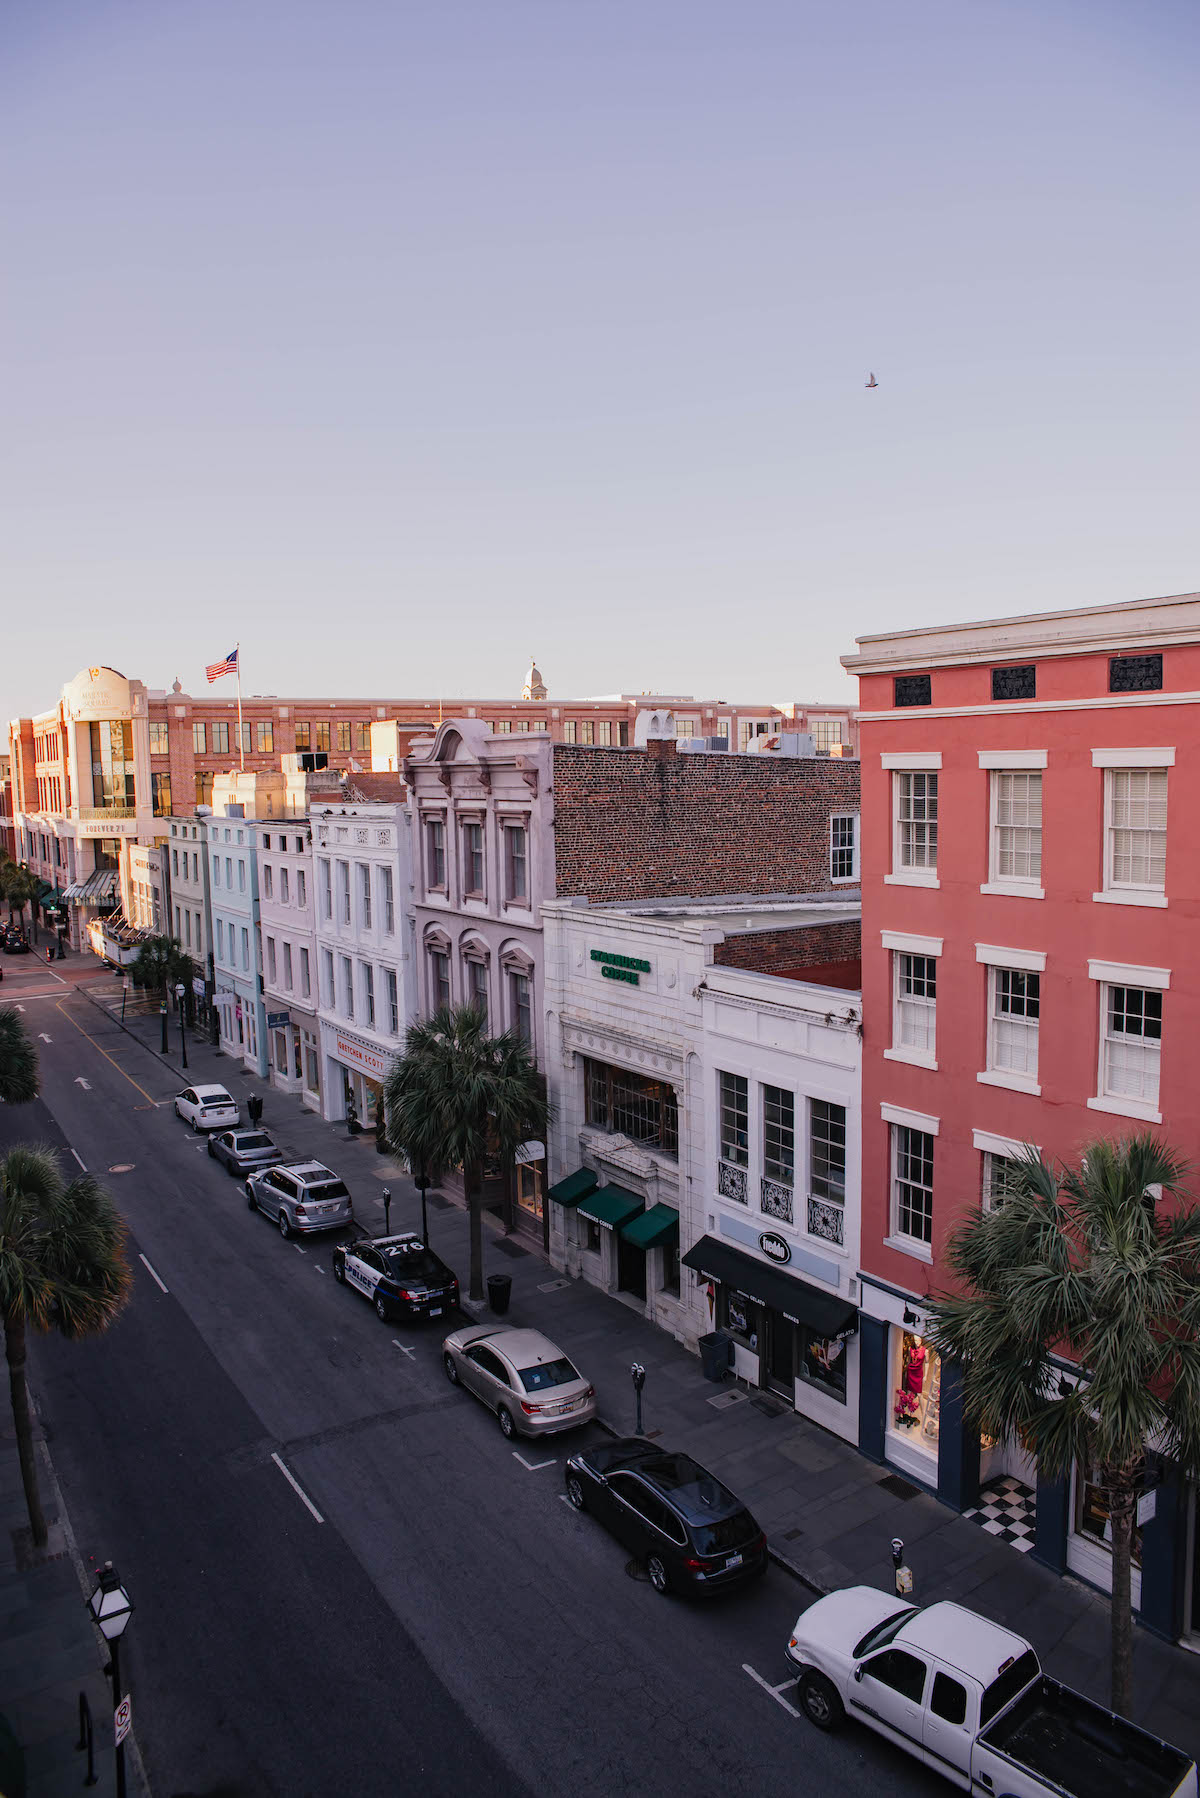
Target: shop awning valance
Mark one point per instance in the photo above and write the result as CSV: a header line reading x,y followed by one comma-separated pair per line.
x,y
95,889
652,1228
574,1187
611,1206
822,1312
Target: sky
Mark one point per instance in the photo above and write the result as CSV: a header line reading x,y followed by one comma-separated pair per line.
x,y
403,341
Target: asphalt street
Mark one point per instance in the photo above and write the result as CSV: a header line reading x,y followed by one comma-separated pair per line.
x,y
345,1579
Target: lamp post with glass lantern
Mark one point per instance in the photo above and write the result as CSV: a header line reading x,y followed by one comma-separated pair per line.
x,y
421,1182
180,992
111,1610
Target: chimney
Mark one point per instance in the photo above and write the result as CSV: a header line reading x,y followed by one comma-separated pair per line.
x,y
660,749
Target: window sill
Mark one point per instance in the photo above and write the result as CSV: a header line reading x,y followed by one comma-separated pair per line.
x,y
1017,1083
911,878
1012,889
1127,1108
906,1245
844,880
916,1058
1123,896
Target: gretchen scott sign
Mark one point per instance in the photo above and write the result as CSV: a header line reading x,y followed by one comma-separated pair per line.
x,y
360,1055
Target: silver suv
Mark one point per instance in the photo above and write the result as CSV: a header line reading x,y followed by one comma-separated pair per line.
x,y
303,1197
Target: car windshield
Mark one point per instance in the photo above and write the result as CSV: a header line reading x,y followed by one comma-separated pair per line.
x,y
1004,1689
261,1141
730,1532
413,1264
332,1189
547,1373
883,1633
217,1099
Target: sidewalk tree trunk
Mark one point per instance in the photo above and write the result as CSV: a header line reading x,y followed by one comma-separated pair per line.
x,y
454,1089
1097,1267
62,1267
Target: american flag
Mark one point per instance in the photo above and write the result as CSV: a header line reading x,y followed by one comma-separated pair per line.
x,y
215,670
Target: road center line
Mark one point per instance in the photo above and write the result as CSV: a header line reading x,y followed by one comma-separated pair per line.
x,y
116,1064
298,1489
152,1273
79,1159
770,1690
531,1466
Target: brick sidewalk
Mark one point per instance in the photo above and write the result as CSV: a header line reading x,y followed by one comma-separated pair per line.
x,y
829,1513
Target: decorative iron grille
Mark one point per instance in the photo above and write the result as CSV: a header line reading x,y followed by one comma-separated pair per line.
x,y
731,1182
826,1221
776,1200
914,689
1135,674
1019,682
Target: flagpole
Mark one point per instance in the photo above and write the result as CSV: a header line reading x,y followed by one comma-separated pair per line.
x,y
241,737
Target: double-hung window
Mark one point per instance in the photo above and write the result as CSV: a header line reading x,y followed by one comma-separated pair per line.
x,y
912,1184
287,966
387,893
393,999
271,959
914,818
477,988
843,847
733,1148
435,854
826,1171
439,979
1135,825
305,975
1014,1005
1014,821
778,1153
283,886
343,869
326,877
364,895
268,881
368,973
330,995
347,986
916,1004
516,850
521,1006
1131,1020
301,889
473,860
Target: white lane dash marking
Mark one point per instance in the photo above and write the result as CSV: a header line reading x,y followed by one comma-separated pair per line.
x,y
79,1159
317,1268
410,1352
297,1488
298,1249
531,1466
784,1684
770,1690
565,1499
152,1273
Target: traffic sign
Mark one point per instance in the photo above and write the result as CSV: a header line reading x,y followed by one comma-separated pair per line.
x,y
122,1718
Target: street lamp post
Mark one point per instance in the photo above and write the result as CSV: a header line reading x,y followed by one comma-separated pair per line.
x,y
179,995
421,1182
111,1610
165,1044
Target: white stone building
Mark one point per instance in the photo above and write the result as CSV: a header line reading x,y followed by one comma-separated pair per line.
x,y
704,1147
362,975
287,913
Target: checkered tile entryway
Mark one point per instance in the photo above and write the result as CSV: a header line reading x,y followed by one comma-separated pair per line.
x,y
1006,1510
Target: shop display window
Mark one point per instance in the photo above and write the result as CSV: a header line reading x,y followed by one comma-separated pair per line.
x,y
1092,1517
917,1391
823,1363
740,1316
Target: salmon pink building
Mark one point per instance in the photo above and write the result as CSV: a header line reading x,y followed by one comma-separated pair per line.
x,y
1031,974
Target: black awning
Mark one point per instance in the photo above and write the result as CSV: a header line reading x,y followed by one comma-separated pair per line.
x,y
822,1312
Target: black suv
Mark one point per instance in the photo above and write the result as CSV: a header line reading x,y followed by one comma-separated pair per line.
x,y
690,1530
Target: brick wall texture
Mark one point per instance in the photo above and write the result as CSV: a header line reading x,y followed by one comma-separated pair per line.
x,y
634,825
783,951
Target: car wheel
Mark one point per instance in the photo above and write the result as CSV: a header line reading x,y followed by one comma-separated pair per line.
x,y
251,1201
339,1272
819,1701
656,1569
195,1128
178,1113
285,1224
451,1369
575,1492
507,1426
381,1310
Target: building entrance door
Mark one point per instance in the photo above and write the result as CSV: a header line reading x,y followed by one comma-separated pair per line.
x,y
779,1361
631,1268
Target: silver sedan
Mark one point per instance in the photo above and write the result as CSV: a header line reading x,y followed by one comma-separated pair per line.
x,y
520,1375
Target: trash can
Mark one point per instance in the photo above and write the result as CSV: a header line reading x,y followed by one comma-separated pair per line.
x,y
254,1107
716,1355
499,1291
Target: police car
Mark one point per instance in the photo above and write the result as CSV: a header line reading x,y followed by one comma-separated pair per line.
x,y
399,1274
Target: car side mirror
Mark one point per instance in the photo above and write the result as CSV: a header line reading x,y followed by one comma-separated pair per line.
x,y
858,1672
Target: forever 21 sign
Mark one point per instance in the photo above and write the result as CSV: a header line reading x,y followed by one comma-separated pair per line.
x,y
774,1247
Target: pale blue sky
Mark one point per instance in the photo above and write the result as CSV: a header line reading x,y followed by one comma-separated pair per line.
x,y
401,340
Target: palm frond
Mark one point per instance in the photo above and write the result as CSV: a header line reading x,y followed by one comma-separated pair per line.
x,y
19,1081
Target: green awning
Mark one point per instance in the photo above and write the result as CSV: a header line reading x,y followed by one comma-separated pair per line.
x,y
576,1186
652,1228
611,1206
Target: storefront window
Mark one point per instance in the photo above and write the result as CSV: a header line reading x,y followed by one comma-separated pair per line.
x,y
1092,1513
670,1267
645,1110
917,1391
740,1316
112,764
529,1190
823,1363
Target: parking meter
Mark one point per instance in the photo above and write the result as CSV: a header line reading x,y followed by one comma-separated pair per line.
x,y
638,1375
904,1578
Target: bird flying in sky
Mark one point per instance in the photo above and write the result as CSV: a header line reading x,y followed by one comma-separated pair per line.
x,y
872,382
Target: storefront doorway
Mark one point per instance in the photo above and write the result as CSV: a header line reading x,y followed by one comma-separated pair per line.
x,y
915,1404
631,1268
779,1361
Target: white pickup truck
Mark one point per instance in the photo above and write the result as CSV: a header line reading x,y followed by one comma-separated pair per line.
x,y
970,1700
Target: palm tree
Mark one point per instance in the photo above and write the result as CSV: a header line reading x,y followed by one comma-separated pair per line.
x,y
62,1266
1085,1265
455,1092
19,889
162,964
18,1061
